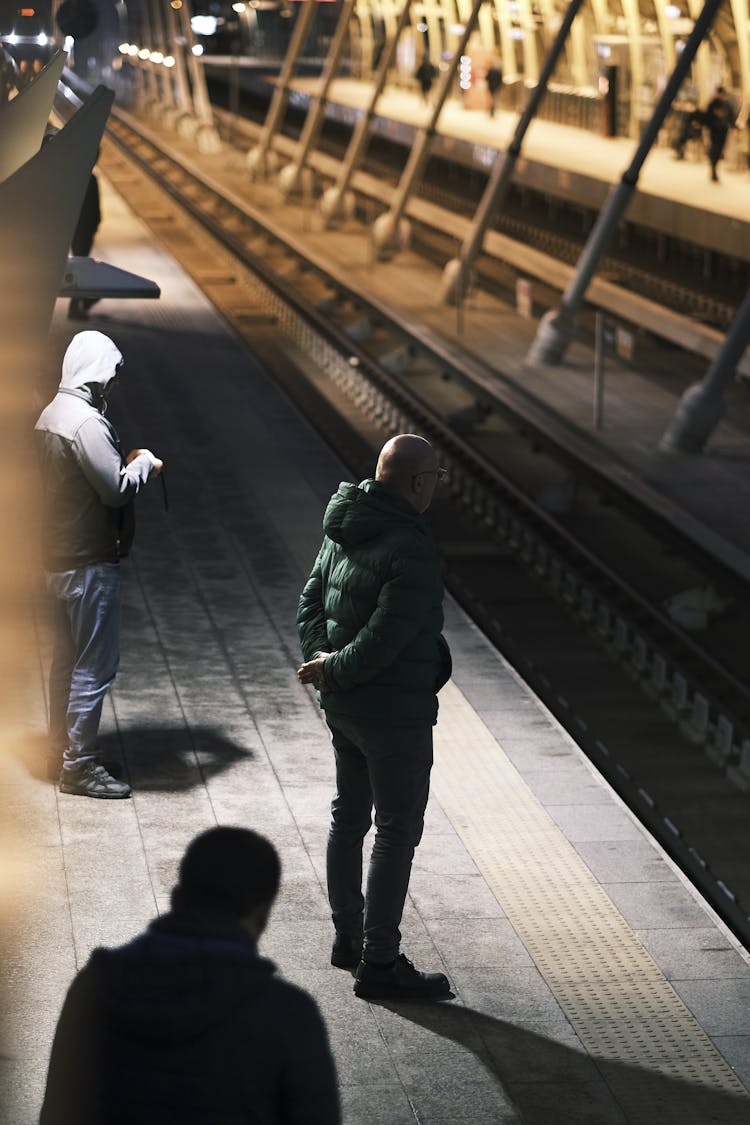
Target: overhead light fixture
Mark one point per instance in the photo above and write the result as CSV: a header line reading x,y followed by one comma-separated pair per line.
x,y
204,25
197,49
157,57
144,53
168,61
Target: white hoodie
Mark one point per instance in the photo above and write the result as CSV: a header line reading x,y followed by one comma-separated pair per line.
x,y
83,469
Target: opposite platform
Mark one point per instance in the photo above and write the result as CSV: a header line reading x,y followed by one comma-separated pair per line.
x,y
676,198
591,983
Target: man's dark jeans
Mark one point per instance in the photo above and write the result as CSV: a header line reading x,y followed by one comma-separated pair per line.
x,y
388,767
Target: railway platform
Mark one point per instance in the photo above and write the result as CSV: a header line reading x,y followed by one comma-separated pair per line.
x,y
562,161
591,983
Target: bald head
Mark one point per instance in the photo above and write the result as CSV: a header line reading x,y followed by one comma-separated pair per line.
x,y
407,465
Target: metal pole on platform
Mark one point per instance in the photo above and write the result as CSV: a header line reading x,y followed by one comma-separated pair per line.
x,y
206,135
502,171
389,227
558,325
599,354
163,77
258,157
333,204
185,119
702,405
290,175
150,83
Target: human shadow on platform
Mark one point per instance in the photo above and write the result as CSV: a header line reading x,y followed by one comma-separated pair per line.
x,y
170,759
153,759
554,1084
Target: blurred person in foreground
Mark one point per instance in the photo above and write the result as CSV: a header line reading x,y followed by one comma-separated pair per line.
x,y
88,488
187,1024
370,620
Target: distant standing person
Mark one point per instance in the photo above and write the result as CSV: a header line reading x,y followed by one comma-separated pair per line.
x,y
494,80
187,1024
719,118
83,239
370,620
88,488
425,76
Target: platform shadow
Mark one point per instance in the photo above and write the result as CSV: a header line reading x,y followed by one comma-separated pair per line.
x,y
555,1084
169,759
153,759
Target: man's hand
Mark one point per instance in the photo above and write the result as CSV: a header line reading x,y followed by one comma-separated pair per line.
x,y
313,672
156,464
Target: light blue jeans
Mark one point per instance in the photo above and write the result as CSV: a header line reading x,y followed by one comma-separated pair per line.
x,y
86,653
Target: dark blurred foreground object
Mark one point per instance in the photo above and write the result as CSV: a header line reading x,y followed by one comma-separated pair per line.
x,y
77,18
187,1024
83,240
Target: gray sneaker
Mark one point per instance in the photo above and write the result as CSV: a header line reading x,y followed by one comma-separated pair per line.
x,y
400,981
92,780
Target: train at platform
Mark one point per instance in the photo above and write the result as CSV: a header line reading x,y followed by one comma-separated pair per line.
x,y
27,42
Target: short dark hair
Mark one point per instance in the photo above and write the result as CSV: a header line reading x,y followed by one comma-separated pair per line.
x,y
227,871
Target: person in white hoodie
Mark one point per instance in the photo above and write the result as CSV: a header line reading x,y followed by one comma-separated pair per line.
x,y
88,488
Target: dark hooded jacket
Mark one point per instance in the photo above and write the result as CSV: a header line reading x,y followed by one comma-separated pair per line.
x,y
87,488
187,1025
374,601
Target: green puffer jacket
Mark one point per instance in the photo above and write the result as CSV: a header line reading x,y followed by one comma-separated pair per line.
x,y
374,601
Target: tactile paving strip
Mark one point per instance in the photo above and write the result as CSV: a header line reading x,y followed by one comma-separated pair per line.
x,y
621,1006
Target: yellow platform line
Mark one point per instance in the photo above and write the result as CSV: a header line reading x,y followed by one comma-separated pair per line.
x,y
617,999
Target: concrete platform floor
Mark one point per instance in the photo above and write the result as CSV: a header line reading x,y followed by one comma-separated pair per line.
x,y
591,984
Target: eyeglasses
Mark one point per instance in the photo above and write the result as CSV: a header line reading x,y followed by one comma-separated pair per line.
x,y
441,474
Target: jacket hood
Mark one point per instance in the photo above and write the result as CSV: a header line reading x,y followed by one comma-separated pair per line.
x,y
91,359
358,513
179,979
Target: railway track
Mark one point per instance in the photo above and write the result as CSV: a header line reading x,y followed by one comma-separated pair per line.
x,y
558,559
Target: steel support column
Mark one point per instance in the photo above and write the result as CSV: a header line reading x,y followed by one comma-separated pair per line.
x,y
702,405
163,77
290,175
557,326
258,158
184,119
389,227
456,272
333,205
150,79
206,135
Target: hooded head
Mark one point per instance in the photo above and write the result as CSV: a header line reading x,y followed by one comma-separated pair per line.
x,y
90,361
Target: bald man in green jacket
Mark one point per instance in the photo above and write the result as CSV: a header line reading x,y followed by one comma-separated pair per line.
x,y
370,620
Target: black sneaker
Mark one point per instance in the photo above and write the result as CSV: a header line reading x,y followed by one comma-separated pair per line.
x,y
92,780
400,981
346,952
